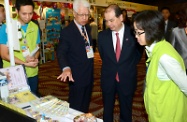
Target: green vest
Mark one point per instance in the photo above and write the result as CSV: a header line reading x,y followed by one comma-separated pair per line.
x,y
164,102
31,37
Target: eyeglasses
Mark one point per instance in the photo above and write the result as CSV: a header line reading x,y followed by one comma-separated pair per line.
x,y
82,15
139,33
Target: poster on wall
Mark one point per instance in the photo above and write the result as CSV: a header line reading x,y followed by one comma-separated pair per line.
x,y
53,24
53,28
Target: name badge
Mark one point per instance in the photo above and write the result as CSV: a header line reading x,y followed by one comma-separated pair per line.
x,y
24,41
25,51
89,51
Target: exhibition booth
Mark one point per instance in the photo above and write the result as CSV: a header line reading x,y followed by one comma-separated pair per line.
x,y
58,13
52,16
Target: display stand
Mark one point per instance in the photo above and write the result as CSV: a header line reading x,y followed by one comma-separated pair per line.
x,y
43,38
51,27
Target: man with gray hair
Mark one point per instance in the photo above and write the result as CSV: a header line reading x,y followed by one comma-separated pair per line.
x,y
75,57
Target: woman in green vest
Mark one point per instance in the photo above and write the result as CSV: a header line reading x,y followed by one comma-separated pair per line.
x,y
165,95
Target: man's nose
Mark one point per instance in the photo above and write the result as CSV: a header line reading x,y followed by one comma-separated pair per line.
x,y
27,16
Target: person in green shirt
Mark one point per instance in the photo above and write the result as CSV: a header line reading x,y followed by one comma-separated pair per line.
x,y
165,95
30,40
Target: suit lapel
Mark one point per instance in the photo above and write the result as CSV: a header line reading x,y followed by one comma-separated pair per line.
x,y
89,34
168,25
125,39
110,46
76,29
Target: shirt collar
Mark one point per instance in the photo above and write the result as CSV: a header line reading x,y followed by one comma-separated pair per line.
x,y
78,25
121,31
166,22
149,49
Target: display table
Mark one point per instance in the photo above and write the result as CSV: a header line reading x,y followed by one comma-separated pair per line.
x,y
72,113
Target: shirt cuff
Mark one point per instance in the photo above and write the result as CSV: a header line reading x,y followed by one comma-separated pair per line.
x,y
67,67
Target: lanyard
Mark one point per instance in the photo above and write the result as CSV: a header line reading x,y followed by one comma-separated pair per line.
x,y
85,37
24,34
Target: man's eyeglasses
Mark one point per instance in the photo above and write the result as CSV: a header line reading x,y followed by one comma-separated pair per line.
x,y
82,15
139,33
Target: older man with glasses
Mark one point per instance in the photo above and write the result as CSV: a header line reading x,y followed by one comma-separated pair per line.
x,y
75,57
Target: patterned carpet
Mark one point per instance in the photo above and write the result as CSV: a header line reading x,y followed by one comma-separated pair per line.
x,y
48,84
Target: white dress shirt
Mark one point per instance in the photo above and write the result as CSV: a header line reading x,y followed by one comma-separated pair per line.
x,y
80,29
121,34
166,25
170,69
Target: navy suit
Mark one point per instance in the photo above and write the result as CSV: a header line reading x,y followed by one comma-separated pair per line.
x,y
127,71
71,52
170,26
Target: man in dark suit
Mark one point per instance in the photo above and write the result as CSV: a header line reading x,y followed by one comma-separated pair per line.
x,y
118,49
75,57
169,24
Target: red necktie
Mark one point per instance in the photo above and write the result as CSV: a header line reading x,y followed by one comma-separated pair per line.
x,y
118,52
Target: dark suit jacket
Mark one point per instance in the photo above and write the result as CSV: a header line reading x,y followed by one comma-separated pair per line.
x,y
126,67
178,39
170,26
71,52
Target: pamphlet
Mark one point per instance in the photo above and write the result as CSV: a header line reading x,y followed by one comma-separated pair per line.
x,y
16,77
34,51
51,105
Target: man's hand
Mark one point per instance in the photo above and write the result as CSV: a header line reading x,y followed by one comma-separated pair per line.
x,y
31,64
29,59
66,74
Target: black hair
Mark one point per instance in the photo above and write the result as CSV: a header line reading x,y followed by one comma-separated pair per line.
x,y
124,10
20,3
152,22
133,16
127,20
91,19
165,8
1,5
116,9
182,17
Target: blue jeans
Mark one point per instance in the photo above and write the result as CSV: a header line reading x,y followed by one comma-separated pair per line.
x,y
33,83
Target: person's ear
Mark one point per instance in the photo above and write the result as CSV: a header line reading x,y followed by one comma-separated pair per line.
x,y
17,11
121,17
74,13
